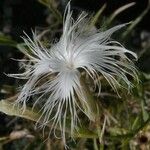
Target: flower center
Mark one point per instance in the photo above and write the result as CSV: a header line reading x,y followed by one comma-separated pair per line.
x,y
70,65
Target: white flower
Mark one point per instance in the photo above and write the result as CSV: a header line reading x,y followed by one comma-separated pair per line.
x,y
54,74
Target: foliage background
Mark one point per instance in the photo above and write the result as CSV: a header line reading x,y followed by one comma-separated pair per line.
x,y
130,126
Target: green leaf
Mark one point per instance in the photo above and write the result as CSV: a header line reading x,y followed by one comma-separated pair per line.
x,y
5,40
51,5
144,112
97,15
146,76
136,21
3,138
118,11
10,109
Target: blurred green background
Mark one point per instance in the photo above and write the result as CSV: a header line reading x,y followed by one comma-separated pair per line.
x,y
17,16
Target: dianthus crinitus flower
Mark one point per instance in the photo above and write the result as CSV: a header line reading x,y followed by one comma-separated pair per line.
x,y
54,74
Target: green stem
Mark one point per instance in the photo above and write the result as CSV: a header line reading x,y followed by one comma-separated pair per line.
x,y
95,144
